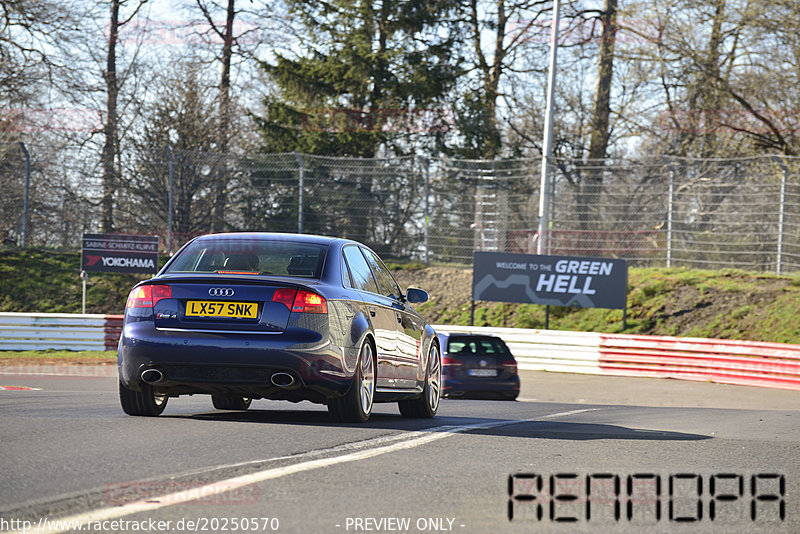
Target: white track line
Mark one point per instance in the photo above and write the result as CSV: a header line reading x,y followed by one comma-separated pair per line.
x,y
415,439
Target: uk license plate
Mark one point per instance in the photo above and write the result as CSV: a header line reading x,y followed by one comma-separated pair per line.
x,y
482,372
210,308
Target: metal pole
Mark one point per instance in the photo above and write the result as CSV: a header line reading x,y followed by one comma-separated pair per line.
x,y
784,172
426,171
171,198
547,146
301,187
670,206
84,279
27,192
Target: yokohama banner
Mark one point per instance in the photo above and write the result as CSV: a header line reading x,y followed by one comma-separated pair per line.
x,y
119,253
550,280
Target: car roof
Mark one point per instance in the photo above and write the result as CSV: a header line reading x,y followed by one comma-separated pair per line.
x,y
273,236
468,335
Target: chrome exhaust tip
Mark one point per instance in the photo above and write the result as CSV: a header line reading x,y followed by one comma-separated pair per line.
x,y
282,380
152,376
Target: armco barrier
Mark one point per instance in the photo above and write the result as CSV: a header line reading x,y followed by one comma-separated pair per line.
x,y
749,363
775,365
64,331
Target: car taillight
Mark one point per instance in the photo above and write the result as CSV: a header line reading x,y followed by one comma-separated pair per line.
x,y
301,301
148,295
451,362
510,365
285,296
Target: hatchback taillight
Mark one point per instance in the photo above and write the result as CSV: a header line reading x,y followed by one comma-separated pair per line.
x,y
301,301
452,362
510,365
148,295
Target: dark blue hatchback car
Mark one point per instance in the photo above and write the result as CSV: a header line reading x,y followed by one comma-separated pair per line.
x,y
244,316
478,366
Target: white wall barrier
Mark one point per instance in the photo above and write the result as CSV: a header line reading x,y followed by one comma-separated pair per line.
x,y
775,365
544,350
61,331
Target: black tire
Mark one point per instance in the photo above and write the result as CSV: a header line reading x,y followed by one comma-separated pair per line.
x,y
230,402
145,402
356,405
426,405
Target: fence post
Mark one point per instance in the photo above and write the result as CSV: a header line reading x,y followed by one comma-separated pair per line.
x,y
301,187
784,172
27,192
426,171
670,207
171,198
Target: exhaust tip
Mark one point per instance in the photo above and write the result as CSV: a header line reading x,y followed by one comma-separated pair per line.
x,y
282,380
152,376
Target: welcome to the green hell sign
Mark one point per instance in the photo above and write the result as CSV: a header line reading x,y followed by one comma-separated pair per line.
x,y
550,280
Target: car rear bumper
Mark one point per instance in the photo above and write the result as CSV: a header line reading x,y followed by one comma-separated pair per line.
x,y
233,364
481,387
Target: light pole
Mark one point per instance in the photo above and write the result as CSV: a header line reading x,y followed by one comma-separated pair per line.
x,y
547,145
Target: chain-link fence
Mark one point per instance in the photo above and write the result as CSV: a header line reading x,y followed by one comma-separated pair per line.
x,y
742,213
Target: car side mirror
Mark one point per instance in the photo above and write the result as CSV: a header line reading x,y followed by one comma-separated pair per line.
x,y
416,296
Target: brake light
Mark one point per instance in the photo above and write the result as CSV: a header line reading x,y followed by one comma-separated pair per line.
x,y
148,295
452,362
510,365
308,302
285,296
301,301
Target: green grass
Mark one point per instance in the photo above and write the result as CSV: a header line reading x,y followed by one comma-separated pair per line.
x,y
41,280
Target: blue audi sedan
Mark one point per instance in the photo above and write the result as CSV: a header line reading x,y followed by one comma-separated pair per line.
x,y
245,316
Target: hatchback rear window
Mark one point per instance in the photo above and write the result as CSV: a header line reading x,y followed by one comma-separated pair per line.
x,y
471,345
226,255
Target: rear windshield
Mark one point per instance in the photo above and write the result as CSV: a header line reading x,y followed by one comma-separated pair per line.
x,y
228,255
472,345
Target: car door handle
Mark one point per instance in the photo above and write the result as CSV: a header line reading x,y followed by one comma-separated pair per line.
x,y
372,311
399,317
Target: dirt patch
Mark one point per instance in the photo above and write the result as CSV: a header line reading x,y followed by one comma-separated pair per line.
x,y
450,289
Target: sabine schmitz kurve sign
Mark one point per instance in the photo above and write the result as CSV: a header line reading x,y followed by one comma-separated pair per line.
x,y
119,253
550,280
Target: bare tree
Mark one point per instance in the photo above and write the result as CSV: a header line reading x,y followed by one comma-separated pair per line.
x,y
174,131
111,128
224,30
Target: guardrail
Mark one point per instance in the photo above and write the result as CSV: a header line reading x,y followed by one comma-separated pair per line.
x,y
751,363
62,331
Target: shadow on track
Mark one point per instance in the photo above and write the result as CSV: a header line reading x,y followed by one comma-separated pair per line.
x,y
517,428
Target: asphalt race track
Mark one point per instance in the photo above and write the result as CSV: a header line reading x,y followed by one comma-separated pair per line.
x,y
576,454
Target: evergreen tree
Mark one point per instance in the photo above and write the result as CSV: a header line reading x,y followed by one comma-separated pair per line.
x,y
372,75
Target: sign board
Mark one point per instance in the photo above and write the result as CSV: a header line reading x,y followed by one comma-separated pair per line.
x,y
550,280
119,253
